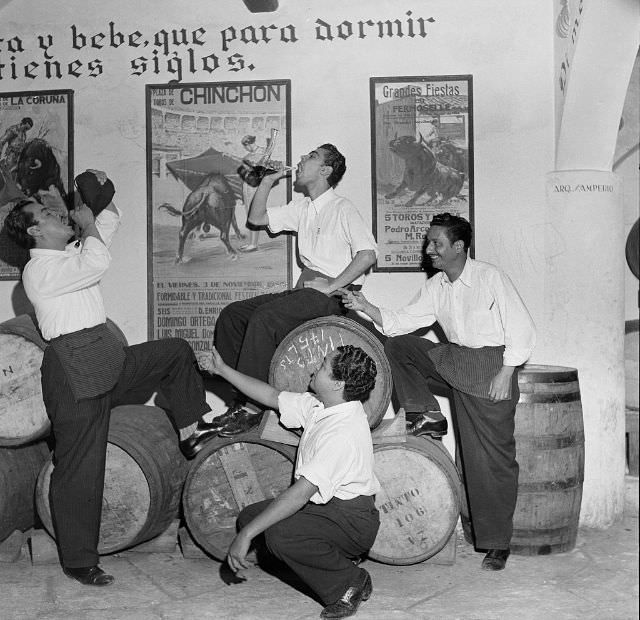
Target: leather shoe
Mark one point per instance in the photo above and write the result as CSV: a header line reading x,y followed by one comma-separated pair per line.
x,y
195,442
89,576
243,421
347,604
495,559
424,425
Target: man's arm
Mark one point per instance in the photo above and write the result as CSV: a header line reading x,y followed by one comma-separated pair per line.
x,y
258,209
361,262
283,506
253,388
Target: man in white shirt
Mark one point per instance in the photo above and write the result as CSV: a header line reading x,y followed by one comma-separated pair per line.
x,y
335,247
328,517
490,334
86,370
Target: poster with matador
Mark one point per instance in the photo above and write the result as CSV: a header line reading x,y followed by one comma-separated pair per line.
x,y
36,151
201,140
422,161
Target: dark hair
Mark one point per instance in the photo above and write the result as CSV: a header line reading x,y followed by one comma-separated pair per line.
x,y
334,158
358,371
27,119
18,222
457,228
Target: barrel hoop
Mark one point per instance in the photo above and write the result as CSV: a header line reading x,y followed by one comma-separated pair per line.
x,y
549,397
550,486
552,442
557,376
523,535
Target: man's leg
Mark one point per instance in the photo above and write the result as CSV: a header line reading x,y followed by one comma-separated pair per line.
x,y
320,542
488,455
80,431
169,367
272,321
414,375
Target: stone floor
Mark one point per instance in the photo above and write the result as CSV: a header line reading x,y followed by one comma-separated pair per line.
x,y
598,579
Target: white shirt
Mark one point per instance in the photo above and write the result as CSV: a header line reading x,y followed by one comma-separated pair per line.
x,y
330,231
335,451
63,285
480,308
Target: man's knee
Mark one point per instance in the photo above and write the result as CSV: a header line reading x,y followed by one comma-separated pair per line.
x,y
178,348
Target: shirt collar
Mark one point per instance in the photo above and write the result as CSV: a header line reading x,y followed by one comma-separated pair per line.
x,y
323,199
466,277
342,408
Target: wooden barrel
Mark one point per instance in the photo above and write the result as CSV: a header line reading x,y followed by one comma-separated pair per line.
x,y
225,477
419,502
23,417
19,467
631,365
145,471
302,350
550,451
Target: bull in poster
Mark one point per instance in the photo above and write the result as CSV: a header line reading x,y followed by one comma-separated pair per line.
x,y
36,132
202,139
422,161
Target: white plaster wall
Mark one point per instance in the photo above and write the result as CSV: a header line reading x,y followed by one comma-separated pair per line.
x,y
505,46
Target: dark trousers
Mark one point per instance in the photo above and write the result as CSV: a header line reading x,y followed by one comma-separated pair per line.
x,y
485,433
80,430
320,541
248,332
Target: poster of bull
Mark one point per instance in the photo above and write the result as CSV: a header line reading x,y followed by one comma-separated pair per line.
x,y
36,151
422,161
206,146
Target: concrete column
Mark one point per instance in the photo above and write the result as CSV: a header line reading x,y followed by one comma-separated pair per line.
x,y
584,315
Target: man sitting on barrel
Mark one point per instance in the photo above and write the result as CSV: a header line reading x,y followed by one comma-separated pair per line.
x,y
335,247
86,370
490,334
328,517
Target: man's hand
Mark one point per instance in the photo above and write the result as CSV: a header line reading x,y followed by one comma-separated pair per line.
x,y
354,300
99,174
210,362
237,554
269,180
500,386
83,217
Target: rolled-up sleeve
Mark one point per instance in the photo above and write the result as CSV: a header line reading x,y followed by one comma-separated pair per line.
x,y
418,313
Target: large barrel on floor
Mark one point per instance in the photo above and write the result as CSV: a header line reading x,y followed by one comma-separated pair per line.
x,y
23,417
225,477
19,468
419,501
302,350
549,436
145,471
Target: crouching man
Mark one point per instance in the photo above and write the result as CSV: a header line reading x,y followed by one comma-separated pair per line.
x,y
328,517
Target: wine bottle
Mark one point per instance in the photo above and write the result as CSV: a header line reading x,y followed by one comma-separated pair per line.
x,y
251,173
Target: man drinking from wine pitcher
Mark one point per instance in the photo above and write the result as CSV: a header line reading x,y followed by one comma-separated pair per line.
x,y
335,247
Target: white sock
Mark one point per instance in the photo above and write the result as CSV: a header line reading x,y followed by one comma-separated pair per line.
x,y
187,431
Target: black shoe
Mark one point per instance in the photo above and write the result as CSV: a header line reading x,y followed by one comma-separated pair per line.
x,y
243,421
347,604
89,576
426,426
495,559
195,442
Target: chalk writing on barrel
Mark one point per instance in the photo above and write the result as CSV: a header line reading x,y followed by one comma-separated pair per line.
x,y
310,348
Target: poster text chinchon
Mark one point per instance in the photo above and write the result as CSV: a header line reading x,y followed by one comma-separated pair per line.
x,y
201,255
36,152
422,161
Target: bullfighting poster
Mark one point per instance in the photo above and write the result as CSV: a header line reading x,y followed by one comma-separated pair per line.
x,y
36,151
201,138
422,161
